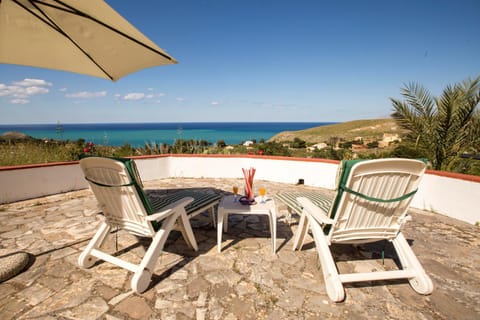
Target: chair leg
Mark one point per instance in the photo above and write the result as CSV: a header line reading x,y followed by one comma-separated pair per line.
x,y
86,260
143,275
186,230
288,218
333,283
422,282
272,217
301,233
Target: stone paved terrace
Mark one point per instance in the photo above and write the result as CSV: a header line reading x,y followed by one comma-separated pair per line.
x,y
244,281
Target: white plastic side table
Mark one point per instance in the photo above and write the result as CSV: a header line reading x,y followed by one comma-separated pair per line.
x,y
228,206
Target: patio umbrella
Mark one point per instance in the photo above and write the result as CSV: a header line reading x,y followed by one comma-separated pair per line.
x,y
81,36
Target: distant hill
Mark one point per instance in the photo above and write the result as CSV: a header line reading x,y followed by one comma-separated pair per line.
x,y
15,136
368,129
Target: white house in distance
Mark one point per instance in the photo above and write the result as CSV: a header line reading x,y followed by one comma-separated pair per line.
x,y
388,138
319,146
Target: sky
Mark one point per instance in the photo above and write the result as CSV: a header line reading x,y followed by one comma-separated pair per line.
x,y
262,60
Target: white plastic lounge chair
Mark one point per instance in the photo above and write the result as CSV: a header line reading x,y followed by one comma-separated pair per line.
x,y
117,188
370,205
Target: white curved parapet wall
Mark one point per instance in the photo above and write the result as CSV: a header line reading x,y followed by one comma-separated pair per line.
x,y
33,181
453,195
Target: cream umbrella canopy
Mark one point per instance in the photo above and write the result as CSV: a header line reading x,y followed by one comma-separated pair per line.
x,y
81,36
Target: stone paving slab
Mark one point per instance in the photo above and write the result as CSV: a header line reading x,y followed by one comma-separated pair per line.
x,y
244,281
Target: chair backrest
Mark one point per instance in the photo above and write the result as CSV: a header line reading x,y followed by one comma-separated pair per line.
x,y
117,187
373,198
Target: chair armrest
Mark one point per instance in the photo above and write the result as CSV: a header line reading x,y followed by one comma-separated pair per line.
x,y
314,211
169,209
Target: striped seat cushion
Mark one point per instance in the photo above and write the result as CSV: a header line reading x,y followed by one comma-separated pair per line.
x,y
290,200
202,200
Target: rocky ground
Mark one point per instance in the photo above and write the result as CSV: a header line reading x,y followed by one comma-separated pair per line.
x,y
244,281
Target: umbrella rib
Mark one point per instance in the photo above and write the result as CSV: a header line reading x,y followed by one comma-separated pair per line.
x,y
44,18
54,26
83,14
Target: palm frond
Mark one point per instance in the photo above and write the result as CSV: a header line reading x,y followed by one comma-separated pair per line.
x,y
419,99
445,126
405,117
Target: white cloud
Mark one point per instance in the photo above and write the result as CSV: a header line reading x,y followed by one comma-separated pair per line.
x,y
4,90
149,96
19,101
134,96
20,91
32,82
179,99
62,89
215,103
35,90
86,94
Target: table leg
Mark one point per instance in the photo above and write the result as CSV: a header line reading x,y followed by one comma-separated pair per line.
x,y
225,221
273,228
220,218
211,212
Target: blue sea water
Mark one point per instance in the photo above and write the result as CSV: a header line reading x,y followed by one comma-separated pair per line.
x,y
137,134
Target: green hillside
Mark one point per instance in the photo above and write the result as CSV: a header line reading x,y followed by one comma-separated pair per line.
x,y
367,129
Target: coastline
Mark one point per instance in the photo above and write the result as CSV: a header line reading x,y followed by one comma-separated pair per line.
x,y
138,134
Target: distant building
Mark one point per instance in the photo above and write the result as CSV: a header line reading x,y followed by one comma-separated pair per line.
x,y
388,138
318,146
248,143
335,142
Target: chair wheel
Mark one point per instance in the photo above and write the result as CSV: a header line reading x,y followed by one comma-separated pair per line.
x,y
141,281
421,284
86,260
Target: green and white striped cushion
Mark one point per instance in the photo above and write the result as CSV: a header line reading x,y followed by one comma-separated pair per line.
x,y
290,200
202,201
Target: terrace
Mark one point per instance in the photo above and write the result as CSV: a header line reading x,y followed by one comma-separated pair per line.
x,y
49,214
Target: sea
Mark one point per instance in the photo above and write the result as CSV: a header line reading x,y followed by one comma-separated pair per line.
x,y
139,134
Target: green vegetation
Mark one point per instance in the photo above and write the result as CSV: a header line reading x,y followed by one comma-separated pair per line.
x,y
348,131
30,151
443,128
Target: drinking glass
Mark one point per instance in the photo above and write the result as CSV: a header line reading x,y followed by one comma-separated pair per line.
x,y
262,193
235,192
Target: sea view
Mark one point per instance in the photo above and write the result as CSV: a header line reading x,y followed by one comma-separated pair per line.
x,y
137,134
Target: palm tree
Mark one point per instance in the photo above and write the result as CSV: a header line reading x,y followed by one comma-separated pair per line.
x,y
443,127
